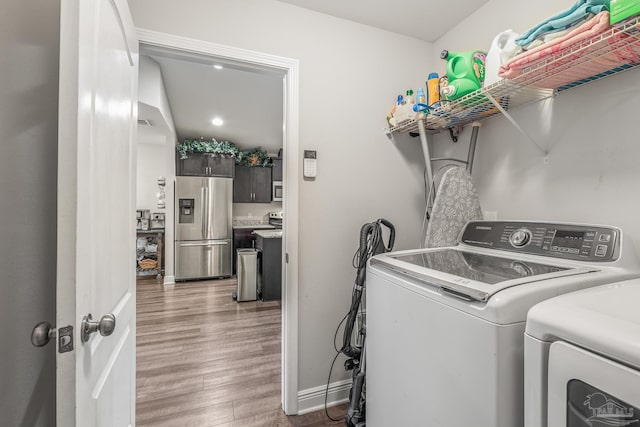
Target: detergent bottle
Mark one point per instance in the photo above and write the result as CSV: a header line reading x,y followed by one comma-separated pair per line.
x,y
433,90
465,71
502,49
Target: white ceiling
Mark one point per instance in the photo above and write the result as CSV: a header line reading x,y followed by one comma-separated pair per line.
x,y
423,19
248,100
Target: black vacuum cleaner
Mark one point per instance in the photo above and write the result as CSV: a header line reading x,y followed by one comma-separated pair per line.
x,y
371,243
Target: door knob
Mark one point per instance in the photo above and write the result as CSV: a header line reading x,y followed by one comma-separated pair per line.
x,y
106,325
42,334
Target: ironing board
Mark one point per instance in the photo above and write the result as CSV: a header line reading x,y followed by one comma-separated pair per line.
x,y
456,203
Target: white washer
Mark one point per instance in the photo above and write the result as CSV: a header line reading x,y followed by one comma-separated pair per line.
x,y
445,326
582,358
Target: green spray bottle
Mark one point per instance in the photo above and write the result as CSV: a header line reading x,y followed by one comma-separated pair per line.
x,y
465,71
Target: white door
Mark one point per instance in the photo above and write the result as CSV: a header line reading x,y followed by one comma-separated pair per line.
x,y
96,211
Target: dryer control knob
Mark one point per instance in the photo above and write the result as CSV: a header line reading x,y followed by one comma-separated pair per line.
x,y
520,238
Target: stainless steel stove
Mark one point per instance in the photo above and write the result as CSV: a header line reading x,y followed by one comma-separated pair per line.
x,y
275,218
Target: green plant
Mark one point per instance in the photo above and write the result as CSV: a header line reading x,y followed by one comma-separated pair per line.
x,y
223,148
254,157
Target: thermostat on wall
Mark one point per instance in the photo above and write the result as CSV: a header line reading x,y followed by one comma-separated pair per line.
x,y
310,167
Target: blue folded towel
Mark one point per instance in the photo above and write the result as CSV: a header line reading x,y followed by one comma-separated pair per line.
x,y
563,20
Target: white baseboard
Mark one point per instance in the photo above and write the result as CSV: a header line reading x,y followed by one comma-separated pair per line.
x,y
169,280
312,399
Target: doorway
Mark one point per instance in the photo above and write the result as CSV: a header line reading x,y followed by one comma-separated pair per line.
x,y
289,70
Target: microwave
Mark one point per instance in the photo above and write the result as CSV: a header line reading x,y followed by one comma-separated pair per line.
x,y
278,191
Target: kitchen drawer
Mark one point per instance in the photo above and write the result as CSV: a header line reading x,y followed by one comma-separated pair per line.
x,y
203,259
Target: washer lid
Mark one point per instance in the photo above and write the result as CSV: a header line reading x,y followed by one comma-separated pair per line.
x,y
472,275
605,319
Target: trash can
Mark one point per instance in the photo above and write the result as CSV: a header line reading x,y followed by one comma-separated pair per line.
x,y
247,270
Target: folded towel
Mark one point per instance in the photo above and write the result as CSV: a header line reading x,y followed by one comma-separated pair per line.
x,y
586,62
563,20
550,36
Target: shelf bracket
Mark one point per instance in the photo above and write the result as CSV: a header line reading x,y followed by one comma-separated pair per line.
x,y
515,124
454,131
389,135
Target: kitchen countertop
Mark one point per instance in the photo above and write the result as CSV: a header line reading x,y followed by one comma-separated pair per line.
x,y
269,234
254,227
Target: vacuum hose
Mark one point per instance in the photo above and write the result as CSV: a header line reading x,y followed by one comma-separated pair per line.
x,y
371,243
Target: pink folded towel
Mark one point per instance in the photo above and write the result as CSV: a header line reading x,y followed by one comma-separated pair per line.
x,y
571,66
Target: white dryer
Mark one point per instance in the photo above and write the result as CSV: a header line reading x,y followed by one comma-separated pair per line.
x,y
582,359
445,326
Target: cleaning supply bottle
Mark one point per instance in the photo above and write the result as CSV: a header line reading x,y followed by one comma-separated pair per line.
x,y
409,97
465,71
421,102
502,49
397,105
391,118
433,90
421,98
404,112
443,83
458,89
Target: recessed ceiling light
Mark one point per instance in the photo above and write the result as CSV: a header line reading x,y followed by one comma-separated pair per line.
x,y
217,121
218,67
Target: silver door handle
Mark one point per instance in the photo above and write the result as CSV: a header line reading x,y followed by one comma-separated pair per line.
x,y
42,334
186,245
105,326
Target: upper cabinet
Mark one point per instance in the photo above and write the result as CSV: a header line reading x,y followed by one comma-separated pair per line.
x,y
252,184
205,164
277,169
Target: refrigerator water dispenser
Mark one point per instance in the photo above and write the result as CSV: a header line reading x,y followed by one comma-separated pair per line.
x,y
186,211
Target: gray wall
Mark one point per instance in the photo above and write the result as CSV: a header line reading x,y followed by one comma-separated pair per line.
x,y
350,75
28,124
590,132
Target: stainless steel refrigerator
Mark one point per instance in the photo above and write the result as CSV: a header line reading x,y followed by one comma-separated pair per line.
x,y
204,228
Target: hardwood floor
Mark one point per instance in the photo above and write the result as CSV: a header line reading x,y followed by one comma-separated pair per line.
x,y
204,360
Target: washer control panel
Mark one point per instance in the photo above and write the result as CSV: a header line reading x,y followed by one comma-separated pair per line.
x,y
567,241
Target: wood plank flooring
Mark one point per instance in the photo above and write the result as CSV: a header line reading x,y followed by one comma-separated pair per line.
x,y
204,360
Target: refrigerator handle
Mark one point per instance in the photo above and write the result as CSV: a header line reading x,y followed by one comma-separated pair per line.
x,y
218,243
204,211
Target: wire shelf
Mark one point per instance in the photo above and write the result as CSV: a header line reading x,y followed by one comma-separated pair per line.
x,y
613,51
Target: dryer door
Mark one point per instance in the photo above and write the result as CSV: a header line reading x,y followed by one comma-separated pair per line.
x,y
588,390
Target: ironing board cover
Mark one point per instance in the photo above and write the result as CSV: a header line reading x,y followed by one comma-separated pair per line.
x,y
456,203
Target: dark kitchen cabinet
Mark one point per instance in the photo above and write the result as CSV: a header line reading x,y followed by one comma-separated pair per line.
x,y
205,164
276,169
252,184
270,282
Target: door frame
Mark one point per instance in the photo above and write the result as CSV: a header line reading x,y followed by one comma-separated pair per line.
x,y
290,68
